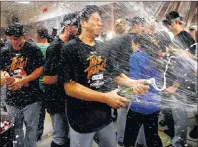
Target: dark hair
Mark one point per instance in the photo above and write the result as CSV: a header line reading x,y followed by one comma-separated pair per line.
x,y
71,19
42,31
88,10
14,29
166,23
141,40
135,20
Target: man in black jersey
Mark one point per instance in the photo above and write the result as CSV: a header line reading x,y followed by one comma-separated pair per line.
x,y
88,76
183,87
23,63
55,102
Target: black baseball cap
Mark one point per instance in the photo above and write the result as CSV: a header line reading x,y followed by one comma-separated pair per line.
x,y
135,20
15,29
71,19
171,16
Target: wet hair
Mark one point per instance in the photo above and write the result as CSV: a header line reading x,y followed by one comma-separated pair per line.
x,y
135,20
15,29
88,10
42,32
71,19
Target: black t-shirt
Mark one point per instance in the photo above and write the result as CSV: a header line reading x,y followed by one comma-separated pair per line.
x,y
19,64
120,49
90,66
55,94
184,40
186,76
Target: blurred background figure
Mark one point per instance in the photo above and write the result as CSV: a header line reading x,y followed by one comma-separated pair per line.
x,y
120,26
42,43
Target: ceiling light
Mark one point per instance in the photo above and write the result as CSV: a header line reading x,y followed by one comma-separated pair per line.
x,y
23,2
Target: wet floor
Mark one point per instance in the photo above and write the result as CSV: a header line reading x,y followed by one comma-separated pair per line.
x,y
47,135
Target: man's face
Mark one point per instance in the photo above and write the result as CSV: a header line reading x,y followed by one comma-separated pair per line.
x,y
93,24
17,42
140,28
173,26
120,29
73,30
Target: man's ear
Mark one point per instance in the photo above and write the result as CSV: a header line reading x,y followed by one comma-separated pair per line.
x,y
82,23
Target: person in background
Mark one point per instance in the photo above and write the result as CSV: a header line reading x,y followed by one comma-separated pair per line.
x,y
144,109
182,39
42,43
54,32
41,37
120,50
52,78
183,42
50,38
120,114
120,26
137,25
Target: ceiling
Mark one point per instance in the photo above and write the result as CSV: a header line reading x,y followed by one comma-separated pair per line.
x,y
33,12
7,7
10,9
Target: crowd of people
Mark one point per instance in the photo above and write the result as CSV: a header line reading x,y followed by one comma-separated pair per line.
x,y
76,78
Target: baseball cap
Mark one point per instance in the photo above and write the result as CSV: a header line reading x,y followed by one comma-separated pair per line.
x,y
71,19
15,29
135,20
120,22
171,16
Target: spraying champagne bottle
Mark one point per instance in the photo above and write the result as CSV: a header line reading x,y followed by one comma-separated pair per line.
x,y
126,91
